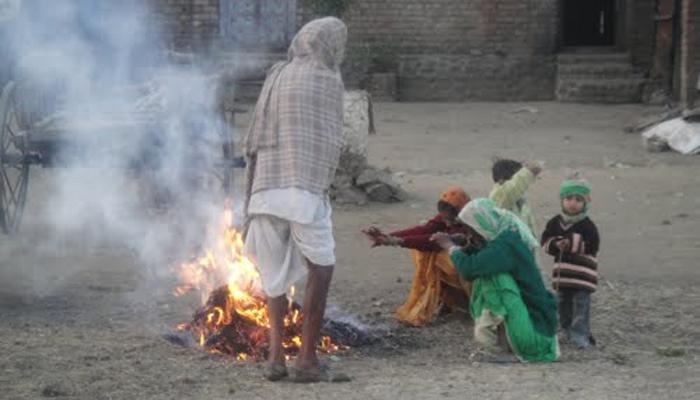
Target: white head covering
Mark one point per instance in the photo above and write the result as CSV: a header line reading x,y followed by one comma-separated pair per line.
x,y
490,221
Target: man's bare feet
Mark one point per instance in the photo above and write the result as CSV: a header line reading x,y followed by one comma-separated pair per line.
x,y
275,372
276,368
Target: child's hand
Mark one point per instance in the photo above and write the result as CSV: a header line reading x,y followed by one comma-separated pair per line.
x,y
374,235
535,168
379,238
443,240
372,231
564,245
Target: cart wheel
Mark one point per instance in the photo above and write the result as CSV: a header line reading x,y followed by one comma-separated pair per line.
x,y
14,163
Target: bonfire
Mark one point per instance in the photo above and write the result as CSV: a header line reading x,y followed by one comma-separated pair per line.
x,y
233,318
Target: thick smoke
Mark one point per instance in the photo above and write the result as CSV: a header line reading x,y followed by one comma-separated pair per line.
x,y
140,161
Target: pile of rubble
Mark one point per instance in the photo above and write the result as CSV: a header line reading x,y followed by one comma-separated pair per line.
x,y
357,182
671,130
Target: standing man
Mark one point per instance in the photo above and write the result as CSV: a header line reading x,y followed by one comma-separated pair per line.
x,y
293,147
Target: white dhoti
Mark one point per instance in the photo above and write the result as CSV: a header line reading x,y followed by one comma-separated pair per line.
x,y
286,227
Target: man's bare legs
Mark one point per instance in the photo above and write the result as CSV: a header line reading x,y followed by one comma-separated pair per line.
x,y
317,285
277,307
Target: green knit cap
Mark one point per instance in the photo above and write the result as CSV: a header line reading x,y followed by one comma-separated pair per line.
x,y
580,187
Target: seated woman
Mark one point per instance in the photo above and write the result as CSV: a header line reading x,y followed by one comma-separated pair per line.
x,y
435,283
507,289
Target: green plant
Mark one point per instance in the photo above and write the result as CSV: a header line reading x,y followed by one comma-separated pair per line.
x,y
357,64
366,58
335,8
384,57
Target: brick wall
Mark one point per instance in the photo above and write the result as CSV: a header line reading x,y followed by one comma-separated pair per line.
x,y
456,77
640,31
456,26
463,49
449,49
186,24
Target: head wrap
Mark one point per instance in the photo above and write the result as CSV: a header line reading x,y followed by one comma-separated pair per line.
x,y
456,197
490,221
579,187
313,60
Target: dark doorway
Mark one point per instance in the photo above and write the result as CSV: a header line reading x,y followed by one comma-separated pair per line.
x,y
589,22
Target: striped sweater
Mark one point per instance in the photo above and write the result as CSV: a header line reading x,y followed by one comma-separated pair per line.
x,y
578,267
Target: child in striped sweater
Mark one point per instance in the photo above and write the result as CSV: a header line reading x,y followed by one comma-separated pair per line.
x,y
572,238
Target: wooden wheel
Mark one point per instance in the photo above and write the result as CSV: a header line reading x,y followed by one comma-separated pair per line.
x,y
14,162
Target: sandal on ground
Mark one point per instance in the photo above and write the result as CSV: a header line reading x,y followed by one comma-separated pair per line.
x,y
275,372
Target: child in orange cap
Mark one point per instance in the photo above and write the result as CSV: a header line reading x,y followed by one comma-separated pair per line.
x,y
436,282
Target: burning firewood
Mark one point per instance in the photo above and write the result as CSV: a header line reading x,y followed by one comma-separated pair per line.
x,y
233,319
242,336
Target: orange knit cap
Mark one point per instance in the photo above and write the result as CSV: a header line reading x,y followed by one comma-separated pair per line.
x,y
456,197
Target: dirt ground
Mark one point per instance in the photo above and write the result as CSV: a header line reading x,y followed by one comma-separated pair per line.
x,y
81,320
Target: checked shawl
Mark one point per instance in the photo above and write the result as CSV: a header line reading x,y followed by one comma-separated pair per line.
x,y
296,134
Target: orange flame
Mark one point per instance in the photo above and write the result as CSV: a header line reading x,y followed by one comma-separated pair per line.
x,y
225,265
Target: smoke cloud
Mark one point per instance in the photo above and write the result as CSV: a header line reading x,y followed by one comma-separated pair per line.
x,y
140,160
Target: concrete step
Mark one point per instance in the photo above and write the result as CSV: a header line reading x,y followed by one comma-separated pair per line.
x,y
616,70
598,77
592,58
600,90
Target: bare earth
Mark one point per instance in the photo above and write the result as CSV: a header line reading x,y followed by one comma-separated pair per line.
x,y
84,321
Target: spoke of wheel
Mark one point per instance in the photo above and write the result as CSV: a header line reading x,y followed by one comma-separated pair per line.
x,y
9,133
5,142
3,215
15,119
20,180
14,207
15,109
9,125
9,187
8,141
19,189
17,209
4,196
4,199
10,190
